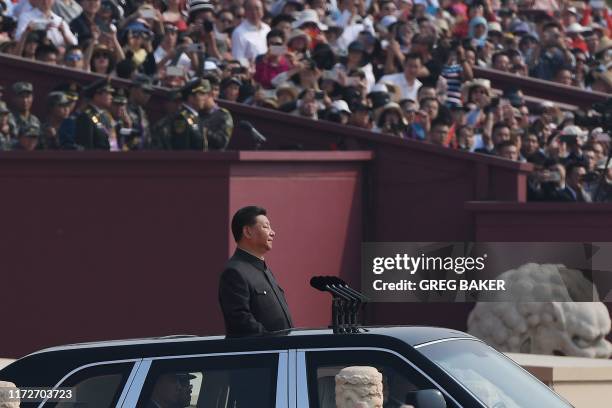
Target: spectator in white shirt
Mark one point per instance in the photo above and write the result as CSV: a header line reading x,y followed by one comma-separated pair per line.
x,y
249,38
42,18
406,81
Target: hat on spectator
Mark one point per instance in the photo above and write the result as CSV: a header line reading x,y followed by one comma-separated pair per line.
x,y
98,86
196,85
604,45
573,130
520,27
341,106
287,87
22,87
390,107
199,5
297,33
138,26
120,97
143,82
309,16
494,27
269,103
3,108
58,98
576,28
386,21
572,10
477,82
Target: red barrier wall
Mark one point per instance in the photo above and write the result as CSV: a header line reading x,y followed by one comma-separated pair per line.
x,y
100,246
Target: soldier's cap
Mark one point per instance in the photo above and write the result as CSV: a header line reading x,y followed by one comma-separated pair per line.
x,y
29,131
58,98
3,108
173,95
195,86
71,89
231,80
22,87
98,86
143,82
120,97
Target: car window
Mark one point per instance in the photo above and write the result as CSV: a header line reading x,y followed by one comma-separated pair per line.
x,y
96,387
493,378
400,380
212,382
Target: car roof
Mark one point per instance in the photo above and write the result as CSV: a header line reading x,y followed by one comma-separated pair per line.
x,y
57,361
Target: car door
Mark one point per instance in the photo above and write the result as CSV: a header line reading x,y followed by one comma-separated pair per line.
x,y
316,370
226,380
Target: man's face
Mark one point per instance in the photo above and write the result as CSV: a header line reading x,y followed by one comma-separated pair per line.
x,y
309,105
438,135
530,144
502,63
103,99
253,11
501,134
23,101
141,96
28,143
91,6
198,100
172,391
412,68
510,152
575,179
260,234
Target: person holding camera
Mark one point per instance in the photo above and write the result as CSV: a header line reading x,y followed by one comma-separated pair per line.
x,y
274,62
201,28
41,18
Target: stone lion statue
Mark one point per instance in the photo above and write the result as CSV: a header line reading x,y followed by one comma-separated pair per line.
x,y
518,321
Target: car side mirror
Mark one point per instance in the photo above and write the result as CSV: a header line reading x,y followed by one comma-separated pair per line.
x,y
429,399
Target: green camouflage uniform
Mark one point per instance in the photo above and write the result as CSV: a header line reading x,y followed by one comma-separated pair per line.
x,y
218,126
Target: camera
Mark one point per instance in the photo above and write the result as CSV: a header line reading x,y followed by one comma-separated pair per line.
x,y
208,26
604,120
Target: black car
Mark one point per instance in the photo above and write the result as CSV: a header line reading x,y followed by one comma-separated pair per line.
x,y
422,366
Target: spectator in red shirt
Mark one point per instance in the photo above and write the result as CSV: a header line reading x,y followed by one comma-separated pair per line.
x,y
274,62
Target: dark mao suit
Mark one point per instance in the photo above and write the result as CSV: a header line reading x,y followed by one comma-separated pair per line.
x,y
250,298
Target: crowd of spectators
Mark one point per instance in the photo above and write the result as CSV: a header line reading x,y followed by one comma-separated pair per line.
x,y
399,67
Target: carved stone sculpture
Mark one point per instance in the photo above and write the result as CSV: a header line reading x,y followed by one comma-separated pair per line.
x,y
515,322
359,386
5,398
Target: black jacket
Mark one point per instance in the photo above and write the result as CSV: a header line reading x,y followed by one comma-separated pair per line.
x,y
250,298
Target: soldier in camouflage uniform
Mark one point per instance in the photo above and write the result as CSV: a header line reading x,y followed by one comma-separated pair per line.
x,y
186,131
7,132
27,139
140,94
160,131
217,122
58,106
22,117
92,129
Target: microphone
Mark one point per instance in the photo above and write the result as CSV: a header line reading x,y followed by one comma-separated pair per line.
x,y
342,284
247,126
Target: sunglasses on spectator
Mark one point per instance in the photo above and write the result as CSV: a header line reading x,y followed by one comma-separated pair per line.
x,y
74,57
227,20
96,56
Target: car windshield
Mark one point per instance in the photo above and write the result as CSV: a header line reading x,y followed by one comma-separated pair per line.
x,y
495,379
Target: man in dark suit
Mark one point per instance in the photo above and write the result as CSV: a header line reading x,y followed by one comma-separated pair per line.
x,y
251,300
